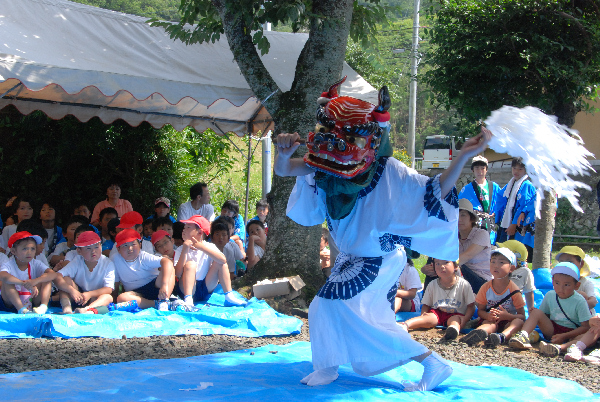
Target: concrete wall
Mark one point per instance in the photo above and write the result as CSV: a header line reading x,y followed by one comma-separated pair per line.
x,y
568,221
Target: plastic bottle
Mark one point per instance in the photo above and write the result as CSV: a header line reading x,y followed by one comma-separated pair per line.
x,y
124,306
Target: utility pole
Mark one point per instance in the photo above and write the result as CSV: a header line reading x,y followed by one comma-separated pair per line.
x,y
412,104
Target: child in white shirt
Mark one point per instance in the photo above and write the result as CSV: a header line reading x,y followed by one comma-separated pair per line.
x,y
89,279
409,284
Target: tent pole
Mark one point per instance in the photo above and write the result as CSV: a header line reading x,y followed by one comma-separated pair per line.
x,y
248,179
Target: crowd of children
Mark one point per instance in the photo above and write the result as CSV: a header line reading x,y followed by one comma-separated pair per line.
x,y
113,255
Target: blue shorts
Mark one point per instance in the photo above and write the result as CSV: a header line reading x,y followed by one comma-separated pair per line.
x,y
202,294
149,291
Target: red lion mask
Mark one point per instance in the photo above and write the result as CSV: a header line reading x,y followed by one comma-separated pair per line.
x,y
348,133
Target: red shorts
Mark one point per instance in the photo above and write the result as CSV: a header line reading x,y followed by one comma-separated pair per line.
x,y
559,329
442,316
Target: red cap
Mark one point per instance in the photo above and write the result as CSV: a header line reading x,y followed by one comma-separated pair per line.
x,y
23,235
87,239
159,234
130,219
201,222
127,235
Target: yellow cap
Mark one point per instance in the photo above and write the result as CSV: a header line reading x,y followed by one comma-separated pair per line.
x,y
574,250
518,248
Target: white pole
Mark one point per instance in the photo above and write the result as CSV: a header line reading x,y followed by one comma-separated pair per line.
x,y
412,105
266,164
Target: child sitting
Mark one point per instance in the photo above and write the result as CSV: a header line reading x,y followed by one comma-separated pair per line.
x,y
586,288
163,244
26,282
219,234
448,301
262,210
48,220
201,266
177,234
231,208
257,242
324,252
23,209
36,229
563,316
147,230
61,249
106,215
146,278
133,220
112,230
162,209
89,278
83,210
409,284
499,303
230,222
522,276
163,224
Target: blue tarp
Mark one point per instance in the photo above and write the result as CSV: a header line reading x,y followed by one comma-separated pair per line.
x,y
254,320
265,376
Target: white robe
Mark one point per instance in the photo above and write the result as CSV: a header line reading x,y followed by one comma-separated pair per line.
x,y
352,318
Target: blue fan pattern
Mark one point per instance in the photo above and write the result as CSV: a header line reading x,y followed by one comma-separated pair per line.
x,y
432,204
376,177
391,296
452,198
389,241
351,275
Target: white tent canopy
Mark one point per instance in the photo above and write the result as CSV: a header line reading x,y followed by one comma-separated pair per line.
x,y
66,58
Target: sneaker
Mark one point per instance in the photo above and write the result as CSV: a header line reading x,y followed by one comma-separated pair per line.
x,y
474,337
549,349
451,333
574,354
520,341
161,305
493,340
592,358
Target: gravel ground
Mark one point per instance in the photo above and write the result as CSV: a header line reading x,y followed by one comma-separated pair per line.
x,y
21,355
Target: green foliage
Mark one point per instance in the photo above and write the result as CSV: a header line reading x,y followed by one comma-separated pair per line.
x,y
71,162
402,156
528,52
166,10
298,15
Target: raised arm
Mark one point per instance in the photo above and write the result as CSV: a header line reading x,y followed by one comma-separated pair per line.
x,y
284,164
471,147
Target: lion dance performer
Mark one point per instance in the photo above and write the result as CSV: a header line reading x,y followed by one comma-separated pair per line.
x,y
374,207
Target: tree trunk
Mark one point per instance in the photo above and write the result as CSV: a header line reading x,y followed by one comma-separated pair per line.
x,y
291,248
544,226
544,230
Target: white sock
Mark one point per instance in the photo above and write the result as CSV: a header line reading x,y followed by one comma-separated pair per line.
x,y
232,298
436,371
321,377
41,309
23,310
581,345
188,299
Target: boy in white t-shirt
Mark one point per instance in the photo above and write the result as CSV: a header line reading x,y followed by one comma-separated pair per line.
x,y
26,282
89,278
163,244
219,234
63,248
522,275
148,279
409,284
201,266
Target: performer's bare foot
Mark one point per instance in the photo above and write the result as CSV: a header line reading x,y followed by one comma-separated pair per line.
x,y
321,377
437,370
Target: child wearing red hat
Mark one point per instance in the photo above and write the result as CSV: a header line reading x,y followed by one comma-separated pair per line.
x,y
163,244
148,279
89,279
201,266
132,220
26,282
